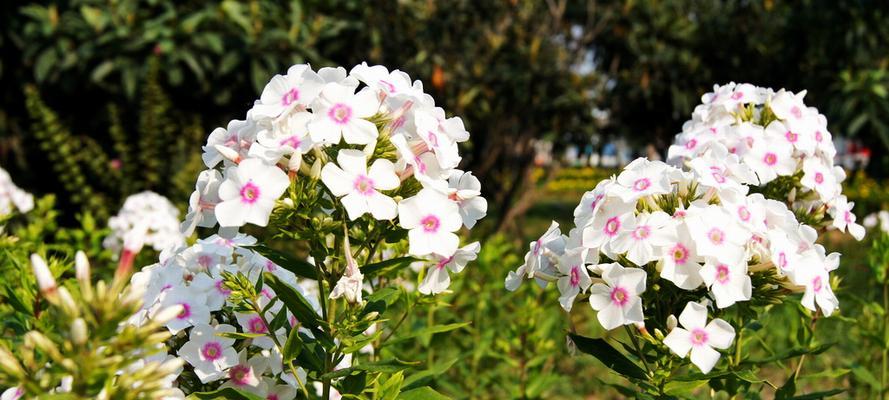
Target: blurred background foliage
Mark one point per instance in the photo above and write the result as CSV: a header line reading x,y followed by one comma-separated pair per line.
x,y
104,98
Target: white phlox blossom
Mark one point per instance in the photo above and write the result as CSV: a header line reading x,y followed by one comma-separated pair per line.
x,y
699,337
146,218
12,197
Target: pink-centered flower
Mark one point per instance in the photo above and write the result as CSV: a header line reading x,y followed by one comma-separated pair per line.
x,y
360,187
342,113
699,337
617,300
210,353
249,192
574,280
438,276
431,220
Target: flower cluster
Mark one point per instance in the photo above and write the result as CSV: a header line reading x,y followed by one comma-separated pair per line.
x,y
779,147
146,218
691,234
192,278
377,142
12,197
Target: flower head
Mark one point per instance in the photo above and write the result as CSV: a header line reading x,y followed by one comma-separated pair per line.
x,y
699,337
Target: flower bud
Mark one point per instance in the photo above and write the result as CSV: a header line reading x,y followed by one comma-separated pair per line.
x,y
228,153
78,331
167,314
316,169
571,346
671,322
45,281
171,366
9,364
82,268
67,302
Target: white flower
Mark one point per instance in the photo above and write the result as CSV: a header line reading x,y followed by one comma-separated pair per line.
x,y
437,277
202,202
431,219
465,189
285,92
716,234
11,195
728,283
280,392
13,393
541,253
699,337
245,375
340,112
234,140
208,352
248,193
576,279
642,178
617,300
361,187
843,218
770,155
611,219
145,218
194,308
287,137
645,236
680,261
814,275
351,283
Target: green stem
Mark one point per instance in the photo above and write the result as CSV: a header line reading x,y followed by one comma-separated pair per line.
x,y
638,350
258,310
885,366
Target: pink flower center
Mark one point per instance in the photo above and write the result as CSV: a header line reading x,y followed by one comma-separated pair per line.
x,y
722,274
433,139
205,260
292,141
716,236
641,232
691,144
847,216
255,325
574,280
816,284
220,287
819,178
791,137
430,223
595,202
619,296
421,166
698,337
796,112
770,159
186,311
537,246
680,253
340,113
744,213
290,97
641,184
364,185
270,266
737,95
249,193
389,86
239,375
782,260
444,262
211,351
818,136
611,226
272,397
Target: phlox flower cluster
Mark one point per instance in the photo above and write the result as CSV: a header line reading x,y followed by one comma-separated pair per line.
x,y
376,141
691,233
775,141
191,278
146,218
13,198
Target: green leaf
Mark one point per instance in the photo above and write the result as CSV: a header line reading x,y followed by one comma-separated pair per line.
x,y
387,366
44,64
93,16
226,393
794,352
241,335
863,374
300,308
299,267
391,387
787,391
418,378
608,355
293,346
386,266
819,395
354,384
679,388
428,331
422,393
